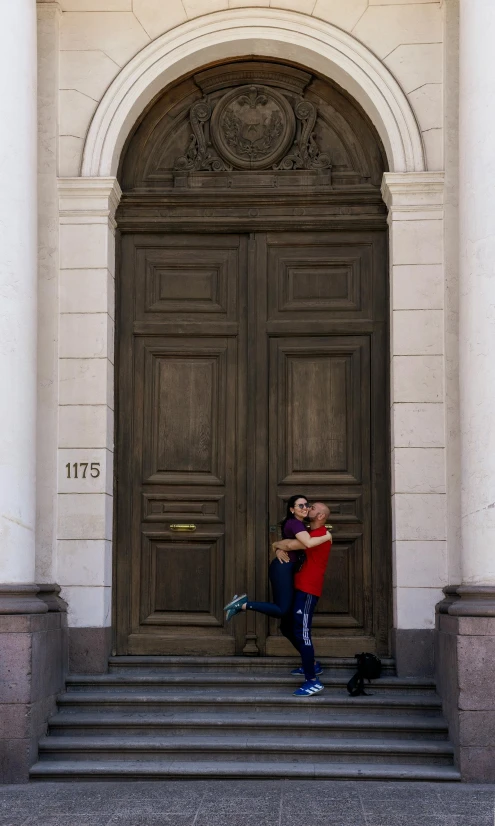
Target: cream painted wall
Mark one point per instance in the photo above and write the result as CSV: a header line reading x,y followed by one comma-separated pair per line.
x,y
97,39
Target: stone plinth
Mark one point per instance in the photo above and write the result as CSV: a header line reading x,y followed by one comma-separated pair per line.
x,y
33,665
465,674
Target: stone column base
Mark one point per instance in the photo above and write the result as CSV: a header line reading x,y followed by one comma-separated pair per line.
x,y
33,666
465,676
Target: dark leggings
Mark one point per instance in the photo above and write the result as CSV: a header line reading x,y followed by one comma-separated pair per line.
x,y
282,581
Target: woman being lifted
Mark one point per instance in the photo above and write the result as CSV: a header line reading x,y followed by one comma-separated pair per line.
x,y
281,573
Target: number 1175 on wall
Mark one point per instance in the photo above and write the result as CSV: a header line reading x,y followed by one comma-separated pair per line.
x,y
78,470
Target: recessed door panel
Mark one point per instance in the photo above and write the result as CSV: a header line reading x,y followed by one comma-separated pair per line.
x,y
313,280
318,396
182,577
177,282
187,427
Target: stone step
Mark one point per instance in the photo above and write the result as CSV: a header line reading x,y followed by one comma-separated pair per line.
x,y
335,665
221,747
194,681
277,701
298,723
159,769
157,717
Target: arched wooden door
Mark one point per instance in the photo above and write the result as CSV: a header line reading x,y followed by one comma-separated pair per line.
x,y
252,340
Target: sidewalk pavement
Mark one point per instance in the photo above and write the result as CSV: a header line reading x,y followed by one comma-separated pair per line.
x,y
247,803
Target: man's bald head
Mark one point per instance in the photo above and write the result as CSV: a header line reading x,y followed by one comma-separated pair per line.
x,y
319,513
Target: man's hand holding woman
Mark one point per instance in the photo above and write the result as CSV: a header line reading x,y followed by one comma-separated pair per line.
x,y
281,555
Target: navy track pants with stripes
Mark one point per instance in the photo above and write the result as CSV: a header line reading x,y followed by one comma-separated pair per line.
x,y
302,615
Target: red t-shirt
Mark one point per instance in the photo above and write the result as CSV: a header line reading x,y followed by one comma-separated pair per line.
x,y
310,577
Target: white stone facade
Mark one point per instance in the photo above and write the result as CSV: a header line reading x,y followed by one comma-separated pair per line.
x,y
100,62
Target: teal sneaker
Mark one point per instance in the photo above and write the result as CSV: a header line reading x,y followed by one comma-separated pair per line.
x,y
234,606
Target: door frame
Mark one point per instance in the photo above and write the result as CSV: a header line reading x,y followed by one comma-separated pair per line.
x,y
251,213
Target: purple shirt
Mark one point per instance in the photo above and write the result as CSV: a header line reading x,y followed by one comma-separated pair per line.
x,y
291,528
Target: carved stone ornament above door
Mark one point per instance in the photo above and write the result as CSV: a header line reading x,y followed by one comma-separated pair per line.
x,y
253,127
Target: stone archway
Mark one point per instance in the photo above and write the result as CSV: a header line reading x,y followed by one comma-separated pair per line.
x,y
414,197
265,32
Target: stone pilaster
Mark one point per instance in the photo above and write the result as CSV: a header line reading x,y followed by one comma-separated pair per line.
x,y
477,291
415,217
49,16
18,289
86,414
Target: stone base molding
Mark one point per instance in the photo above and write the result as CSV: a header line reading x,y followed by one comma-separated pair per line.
x,y
33,666
465,676
89,650
413,650
474,601
450,596
21,599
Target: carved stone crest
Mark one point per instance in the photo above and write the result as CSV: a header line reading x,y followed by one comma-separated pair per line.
x,y
253,127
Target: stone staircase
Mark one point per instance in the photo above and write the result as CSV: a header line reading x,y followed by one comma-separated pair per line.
x,y
173,717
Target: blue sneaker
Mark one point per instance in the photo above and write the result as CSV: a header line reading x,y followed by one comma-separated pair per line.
x,y
299,672
234,606
309,688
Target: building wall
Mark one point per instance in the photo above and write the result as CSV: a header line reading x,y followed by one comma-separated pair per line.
x,y
96,40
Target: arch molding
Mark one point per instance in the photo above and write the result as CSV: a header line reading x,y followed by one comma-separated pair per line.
x,y
268,33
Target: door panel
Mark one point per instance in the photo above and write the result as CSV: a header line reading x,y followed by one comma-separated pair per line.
x,y
321,384
318,276
192,284
189,421
319,446
320,316
182,577
182,411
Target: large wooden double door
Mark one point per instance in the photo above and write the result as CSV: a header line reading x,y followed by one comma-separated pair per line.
x,y
251,367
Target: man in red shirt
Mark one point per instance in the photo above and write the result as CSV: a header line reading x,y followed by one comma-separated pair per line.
x,y
308,583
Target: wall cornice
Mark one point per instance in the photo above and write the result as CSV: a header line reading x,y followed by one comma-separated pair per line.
x,y
82,200
414,192
48,5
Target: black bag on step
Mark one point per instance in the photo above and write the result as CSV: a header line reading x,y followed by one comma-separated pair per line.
x,y
369,667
